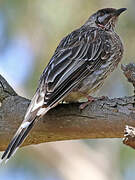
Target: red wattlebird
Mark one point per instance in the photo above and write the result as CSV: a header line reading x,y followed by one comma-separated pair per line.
x,y
79,66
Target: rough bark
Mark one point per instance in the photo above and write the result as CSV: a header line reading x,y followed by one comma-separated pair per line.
x,y
129,136
104,118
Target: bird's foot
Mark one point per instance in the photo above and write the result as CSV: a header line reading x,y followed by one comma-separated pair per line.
x,y
90,100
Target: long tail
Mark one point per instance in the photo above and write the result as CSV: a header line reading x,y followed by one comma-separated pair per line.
x,y
34,112
18,138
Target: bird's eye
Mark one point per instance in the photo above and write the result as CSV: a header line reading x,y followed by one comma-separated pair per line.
x,y
103,19
102,13
100,20
100,17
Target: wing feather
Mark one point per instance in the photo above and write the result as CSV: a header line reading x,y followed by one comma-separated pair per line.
x,y
78,55
71,63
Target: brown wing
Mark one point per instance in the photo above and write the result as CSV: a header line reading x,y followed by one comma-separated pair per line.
x,y
77,56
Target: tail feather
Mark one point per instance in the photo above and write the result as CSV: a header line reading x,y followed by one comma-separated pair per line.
x,y
26,132
35,111
8,148
17,140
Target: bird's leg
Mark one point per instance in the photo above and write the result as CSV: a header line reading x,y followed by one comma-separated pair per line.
x,y
90,100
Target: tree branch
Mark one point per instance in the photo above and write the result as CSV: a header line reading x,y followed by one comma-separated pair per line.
x,y
104,118
129,132
5,89
129,136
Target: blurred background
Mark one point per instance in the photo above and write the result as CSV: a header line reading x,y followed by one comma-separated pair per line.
x,y
29,33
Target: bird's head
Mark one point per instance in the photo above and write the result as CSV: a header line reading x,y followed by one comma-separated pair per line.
x,y
105,18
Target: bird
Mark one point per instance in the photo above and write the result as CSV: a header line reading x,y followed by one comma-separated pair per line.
x,y
80,64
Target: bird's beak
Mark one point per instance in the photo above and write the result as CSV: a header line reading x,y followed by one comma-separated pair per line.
x,y
119,11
